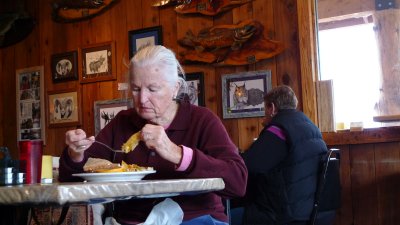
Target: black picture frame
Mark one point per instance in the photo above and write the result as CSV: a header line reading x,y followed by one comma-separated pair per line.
x,y
141,37
195,82
243,93
64,66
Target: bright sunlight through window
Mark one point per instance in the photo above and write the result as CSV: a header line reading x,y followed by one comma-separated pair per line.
x,y
349,56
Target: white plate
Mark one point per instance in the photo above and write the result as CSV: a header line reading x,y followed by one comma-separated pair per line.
x,y
112,177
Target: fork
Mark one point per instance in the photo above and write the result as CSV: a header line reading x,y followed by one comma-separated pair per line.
x,y
101,143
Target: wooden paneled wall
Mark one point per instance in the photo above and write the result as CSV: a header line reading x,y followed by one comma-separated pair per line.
x,y
370,179
369,170
370,175
280,22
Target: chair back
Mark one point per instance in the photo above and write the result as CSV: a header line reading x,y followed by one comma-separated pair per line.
x,y
327,196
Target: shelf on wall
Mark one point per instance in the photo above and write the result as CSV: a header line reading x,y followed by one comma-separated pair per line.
x,y
387,118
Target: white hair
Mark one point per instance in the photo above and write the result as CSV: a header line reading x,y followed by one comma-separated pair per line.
x,y
151,55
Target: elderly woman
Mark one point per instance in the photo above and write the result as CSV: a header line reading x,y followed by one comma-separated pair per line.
x,y
283,165
178,139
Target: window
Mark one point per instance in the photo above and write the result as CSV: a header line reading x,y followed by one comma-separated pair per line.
x,y
349,57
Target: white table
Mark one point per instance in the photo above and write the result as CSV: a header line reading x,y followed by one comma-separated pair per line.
x,y
66,194
95,192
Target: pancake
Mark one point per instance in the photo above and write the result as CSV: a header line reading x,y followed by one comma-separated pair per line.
x,y
131,143
96,164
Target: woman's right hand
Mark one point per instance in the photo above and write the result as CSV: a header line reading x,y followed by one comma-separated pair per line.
x,y
77,143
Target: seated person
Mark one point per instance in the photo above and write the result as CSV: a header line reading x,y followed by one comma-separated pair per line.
x,y
178,139
283,165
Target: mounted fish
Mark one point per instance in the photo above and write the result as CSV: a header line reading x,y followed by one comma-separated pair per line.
x,y
15,25
239,44
67,11
205,7
158,3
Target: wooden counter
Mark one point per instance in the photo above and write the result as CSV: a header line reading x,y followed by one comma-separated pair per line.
x,y
370,135
370,175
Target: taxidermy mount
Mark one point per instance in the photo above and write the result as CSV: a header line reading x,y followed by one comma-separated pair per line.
x,y
68,11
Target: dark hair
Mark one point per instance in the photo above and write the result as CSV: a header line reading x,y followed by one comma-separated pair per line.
x,y
282,96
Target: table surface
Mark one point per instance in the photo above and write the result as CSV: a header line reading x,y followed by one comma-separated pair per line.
x,y
100,192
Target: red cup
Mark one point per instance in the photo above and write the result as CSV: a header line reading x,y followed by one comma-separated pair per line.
x,y
30,155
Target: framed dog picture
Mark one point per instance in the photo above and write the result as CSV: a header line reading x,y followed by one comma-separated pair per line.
x,y
243,93
142,37
98,63
63,108
195,83
105,111
64,66
30,104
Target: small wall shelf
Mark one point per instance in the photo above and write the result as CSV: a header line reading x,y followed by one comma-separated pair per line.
x,y
387,118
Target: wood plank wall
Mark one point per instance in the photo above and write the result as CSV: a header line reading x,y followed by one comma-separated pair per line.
x,y
370,179
369,169
278,17
370,175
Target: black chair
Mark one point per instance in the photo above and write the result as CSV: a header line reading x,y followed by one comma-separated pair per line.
x,y
327,197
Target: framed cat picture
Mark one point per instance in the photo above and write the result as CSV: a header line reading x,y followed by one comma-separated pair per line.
x,y
243,93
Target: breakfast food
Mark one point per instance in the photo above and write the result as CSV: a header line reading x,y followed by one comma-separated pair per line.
x,y
96,165
127,168
131,143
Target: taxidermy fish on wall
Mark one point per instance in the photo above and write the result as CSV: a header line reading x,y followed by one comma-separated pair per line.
x,y
15,25
239,44
205,7
67,11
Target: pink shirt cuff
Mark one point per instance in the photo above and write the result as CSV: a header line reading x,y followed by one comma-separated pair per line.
x,y
187,155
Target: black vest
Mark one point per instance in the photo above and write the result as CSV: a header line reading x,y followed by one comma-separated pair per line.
x,y
288,190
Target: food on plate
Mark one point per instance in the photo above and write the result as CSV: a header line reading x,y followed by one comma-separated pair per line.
x,y
127,168
95,165
131,143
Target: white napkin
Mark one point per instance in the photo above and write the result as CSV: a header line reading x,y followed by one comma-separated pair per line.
x,y
167,212
98,210
110,221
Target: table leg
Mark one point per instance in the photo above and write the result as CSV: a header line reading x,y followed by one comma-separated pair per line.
x,y
64,213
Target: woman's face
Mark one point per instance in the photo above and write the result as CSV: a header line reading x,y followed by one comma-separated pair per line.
x,y
153,95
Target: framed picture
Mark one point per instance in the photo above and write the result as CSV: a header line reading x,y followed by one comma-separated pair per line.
x,y
142,37
105,111
30,104
98,63
63,108
243,93
195,82
64,66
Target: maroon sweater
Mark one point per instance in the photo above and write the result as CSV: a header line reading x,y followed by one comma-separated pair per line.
x,y
214,155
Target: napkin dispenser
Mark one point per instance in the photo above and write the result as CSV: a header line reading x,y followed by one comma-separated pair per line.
x,y
9,169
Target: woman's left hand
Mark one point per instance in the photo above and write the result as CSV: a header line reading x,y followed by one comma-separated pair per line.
x,y
155,138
